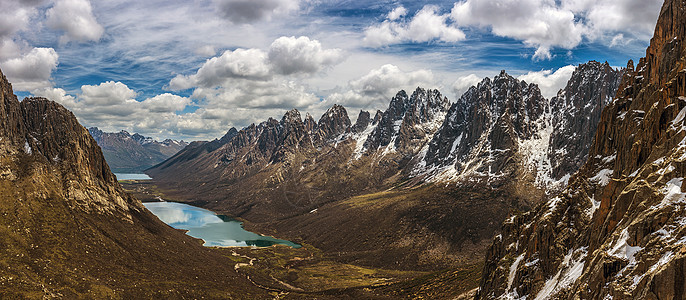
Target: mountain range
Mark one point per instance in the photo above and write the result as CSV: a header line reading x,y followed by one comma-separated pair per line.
x,y
457,168
575,197
126,153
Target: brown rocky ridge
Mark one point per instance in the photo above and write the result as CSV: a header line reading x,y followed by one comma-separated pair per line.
x,y
617,231
68,230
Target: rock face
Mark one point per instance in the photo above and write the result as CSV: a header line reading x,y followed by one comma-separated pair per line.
x,y
68,230
484,133
503,131
333,123
128,153
617,230
408,122
576,114
363,121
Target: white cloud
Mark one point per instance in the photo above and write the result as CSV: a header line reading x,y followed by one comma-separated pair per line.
x,y
547,24
290,55
548,81
375,89
397,13
107,94
9,49
463,83
76,19
279,93
207,50
425,26
166,103
539,23
635,17
58,95
32,70
112,106
240,63
15,16
250,11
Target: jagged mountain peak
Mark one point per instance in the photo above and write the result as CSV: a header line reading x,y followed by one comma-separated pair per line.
x,y
291,116
407,122
333,123
310,123
229,135
377,117
363,121
484,131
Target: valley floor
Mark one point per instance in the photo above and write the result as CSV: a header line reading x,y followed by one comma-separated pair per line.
x,y
310,272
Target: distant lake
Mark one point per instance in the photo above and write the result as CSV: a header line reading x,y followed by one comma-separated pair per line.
x,y
215,230
127,176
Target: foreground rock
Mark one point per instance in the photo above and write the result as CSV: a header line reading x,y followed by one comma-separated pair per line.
x,y
69,231
617,231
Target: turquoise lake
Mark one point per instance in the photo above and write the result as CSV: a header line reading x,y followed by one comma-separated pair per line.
x,y
215,230
127,176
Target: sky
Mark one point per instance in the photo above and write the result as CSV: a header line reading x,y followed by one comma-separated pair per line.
x,y
192,69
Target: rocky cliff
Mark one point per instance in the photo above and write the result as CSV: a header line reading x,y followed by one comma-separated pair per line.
x,y
408,123
617,230
502,133
486,134
68,230
127,153
576,113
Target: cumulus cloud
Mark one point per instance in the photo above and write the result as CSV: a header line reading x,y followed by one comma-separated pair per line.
x,y
166,103
397,13
375,89
240,63
112,106
637,17
463,83
548,81
107,93
58,95
76,19
14,16
286,56
539,23
425,26
291,55
250,11
32,70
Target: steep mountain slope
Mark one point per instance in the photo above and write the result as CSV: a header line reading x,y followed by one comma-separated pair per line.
x,y
128,153
576,113
481,141
69,231
617,231
504,134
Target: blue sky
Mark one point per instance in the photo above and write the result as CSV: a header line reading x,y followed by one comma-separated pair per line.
x,y
193,69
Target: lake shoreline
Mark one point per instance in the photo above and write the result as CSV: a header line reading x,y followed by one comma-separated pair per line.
x,y
214,229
